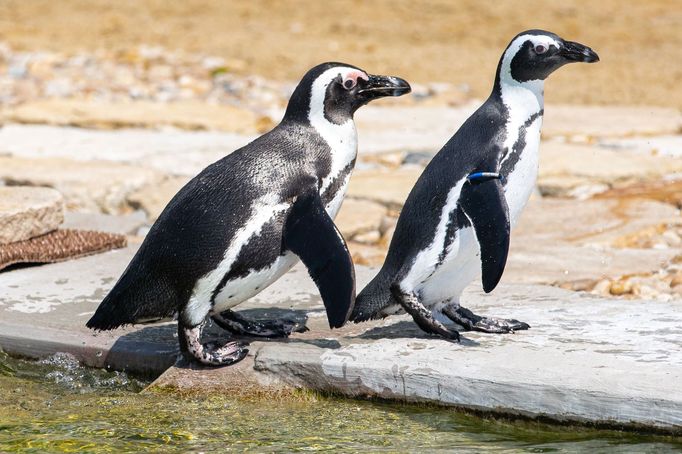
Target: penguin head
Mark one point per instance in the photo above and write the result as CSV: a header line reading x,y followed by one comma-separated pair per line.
x,y
336,90
535,54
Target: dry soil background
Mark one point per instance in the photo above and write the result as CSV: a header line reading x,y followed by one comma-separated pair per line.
x,y
434,40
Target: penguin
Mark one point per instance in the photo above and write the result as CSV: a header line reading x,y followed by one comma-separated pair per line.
x,y
456,222
246,219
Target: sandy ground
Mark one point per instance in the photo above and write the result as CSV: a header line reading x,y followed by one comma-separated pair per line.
x,y
436,40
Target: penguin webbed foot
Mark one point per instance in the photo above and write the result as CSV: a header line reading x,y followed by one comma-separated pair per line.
x,y
210,353
472,322
421,315
235,323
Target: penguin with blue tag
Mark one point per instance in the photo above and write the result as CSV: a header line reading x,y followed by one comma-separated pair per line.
x,y
456,222
245,220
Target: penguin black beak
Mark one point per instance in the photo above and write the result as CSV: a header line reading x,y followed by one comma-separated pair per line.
x,y
576,52
380,86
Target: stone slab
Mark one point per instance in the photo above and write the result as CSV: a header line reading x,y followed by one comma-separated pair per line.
x,y
26,212
590,122
152,199
591,165
44,310
129,224
586,359
388,188
97,186
170,151
358,217
669,145
190,115
397,128
384,129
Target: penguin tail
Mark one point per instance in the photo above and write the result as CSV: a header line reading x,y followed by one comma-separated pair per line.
x,y
136,298
372,299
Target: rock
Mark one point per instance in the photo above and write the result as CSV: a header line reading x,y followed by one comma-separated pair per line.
x,y
569,186
26,212
358,217
562,368
365,254
621,287
387,223
86,186
368,237
124,225
154,198
676,280
387,188
602,288
387,129
139,114
561,241
171,151
582,360
571,170
386,237
670,145
664,190
671,238
609,121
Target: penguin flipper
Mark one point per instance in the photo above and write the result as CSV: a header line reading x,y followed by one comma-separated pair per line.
x,y
310,233
486,207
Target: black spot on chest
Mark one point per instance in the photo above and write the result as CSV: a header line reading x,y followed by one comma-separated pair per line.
x,y
513,155
337,183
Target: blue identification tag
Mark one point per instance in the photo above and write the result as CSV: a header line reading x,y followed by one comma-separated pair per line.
x,y
479,177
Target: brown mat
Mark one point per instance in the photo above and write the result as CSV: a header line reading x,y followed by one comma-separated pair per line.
x,y
58,246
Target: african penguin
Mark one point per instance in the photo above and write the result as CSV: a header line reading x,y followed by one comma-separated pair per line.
x,y
246,219
456,222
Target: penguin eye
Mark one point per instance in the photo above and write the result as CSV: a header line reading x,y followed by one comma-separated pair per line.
x,y
349,83
540,49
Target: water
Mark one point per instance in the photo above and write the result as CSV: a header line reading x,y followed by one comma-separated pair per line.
x,y
57,406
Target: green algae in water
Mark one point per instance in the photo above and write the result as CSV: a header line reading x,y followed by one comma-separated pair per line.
x,y
57,406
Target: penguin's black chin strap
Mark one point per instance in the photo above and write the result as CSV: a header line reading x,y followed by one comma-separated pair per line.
x,y
480,177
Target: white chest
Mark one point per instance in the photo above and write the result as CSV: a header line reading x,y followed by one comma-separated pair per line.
x,y
343,143
521,180
524,103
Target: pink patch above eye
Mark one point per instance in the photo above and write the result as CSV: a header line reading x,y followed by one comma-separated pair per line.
x,y
351,78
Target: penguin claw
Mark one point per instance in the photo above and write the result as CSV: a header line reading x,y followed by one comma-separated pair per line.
x,y
209,353
215,354
491,325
